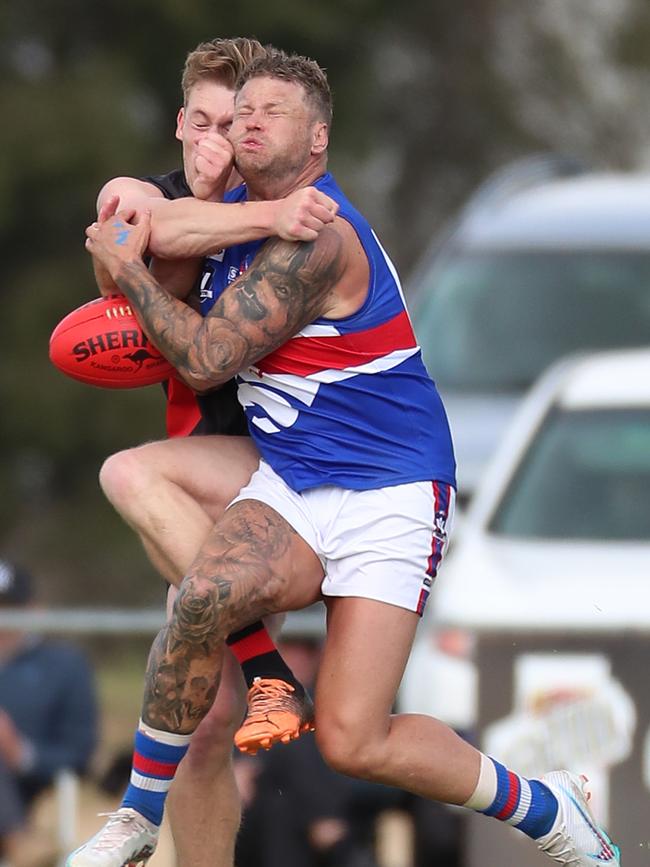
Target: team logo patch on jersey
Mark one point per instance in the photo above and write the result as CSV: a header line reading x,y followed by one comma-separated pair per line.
x,y
234,273
206,289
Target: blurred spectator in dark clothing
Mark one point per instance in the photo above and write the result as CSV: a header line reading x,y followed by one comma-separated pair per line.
x,y
48,709
438,832
297,811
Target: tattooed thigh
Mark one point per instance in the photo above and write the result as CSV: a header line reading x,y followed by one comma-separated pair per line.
x,y
252,564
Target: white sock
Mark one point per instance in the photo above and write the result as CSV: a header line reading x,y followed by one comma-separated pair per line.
x,y
170,738
486,787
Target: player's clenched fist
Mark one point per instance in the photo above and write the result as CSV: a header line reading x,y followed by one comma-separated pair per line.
x,y
213,164
302,215
121,238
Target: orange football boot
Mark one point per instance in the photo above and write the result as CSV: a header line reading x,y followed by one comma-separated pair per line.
x,y
275,714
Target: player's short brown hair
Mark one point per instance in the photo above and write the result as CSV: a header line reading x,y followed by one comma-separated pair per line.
x,y
220,60
300,70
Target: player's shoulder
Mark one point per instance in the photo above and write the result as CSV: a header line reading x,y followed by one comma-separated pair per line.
x,y
66,659
61,648
56,655
339,247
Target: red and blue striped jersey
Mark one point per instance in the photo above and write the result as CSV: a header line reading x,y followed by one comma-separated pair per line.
x,y
345,402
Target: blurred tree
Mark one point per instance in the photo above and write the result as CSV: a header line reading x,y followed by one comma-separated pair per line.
x,y
461,89
429,97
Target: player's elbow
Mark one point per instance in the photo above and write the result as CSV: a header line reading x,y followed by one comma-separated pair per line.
x,y
200,384
114,187
131,192
203,369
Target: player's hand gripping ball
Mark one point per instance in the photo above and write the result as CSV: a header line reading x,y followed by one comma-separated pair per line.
x,y
101,343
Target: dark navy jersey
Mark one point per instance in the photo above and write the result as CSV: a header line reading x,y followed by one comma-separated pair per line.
x,y
172,185
218,412
345,402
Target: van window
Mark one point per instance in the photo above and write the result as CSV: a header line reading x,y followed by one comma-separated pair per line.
x,y
587,476
492,321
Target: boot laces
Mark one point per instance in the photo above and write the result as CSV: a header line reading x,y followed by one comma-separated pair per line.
x,y
264,696
114,831
561,850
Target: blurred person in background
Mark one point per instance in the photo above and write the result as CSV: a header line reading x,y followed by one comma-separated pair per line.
x,y
440,681
298,812
48,711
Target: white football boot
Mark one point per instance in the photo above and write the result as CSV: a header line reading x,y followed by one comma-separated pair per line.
x,y
127,838
575,839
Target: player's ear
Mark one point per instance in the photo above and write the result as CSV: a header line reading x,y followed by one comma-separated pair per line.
x,y
320,138
180,120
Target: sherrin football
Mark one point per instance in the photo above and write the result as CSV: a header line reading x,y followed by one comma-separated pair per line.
x,y
101,343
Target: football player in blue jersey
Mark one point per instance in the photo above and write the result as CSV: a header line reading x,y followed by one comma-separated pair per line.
x,y
171,492
353,495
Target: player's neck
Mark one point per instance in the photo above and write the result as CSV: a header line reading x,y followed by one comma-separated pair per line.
x,y
265,187
234,180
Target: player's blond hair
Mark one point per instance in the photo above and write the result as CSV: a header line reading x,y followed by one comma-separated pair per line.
x,y
275,63
220,60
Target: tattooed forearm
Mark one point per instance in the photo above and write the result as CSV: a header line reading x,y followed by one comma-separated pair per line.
x,y
169,323
287,286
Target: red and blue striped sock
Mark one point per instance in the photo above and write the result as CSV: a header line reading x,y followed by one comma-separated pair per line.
x,y
156,756
528,805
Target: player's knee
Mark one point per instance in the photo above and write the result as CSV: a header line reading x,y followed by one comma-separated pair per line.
x,y
211,744
198,613
224,717
347,749
122,479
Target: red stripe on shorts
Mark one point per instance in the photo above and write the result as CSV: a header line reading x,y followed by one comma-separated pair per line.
x,y
436,544
422,601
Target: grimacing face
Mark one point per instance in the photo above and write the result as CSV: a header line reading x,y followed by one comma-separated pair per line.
x,y
208,109
274,130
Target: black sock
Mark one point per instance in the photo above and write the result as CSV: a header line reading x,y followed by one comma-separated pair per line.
x,y
258,656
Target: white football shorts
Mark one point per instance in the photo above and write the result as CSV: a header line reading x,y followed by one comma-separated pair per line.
x,y
384,544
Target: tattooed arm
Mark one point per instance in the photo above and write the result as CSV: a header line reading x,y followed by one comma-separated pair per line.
x,y
287,286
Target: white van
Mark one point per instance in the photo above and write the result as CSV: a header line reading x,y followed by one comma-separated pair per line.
x,y
545,260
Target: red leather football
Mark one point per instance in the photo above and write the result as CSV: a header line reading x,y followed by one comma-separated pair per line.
x,y
101,343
